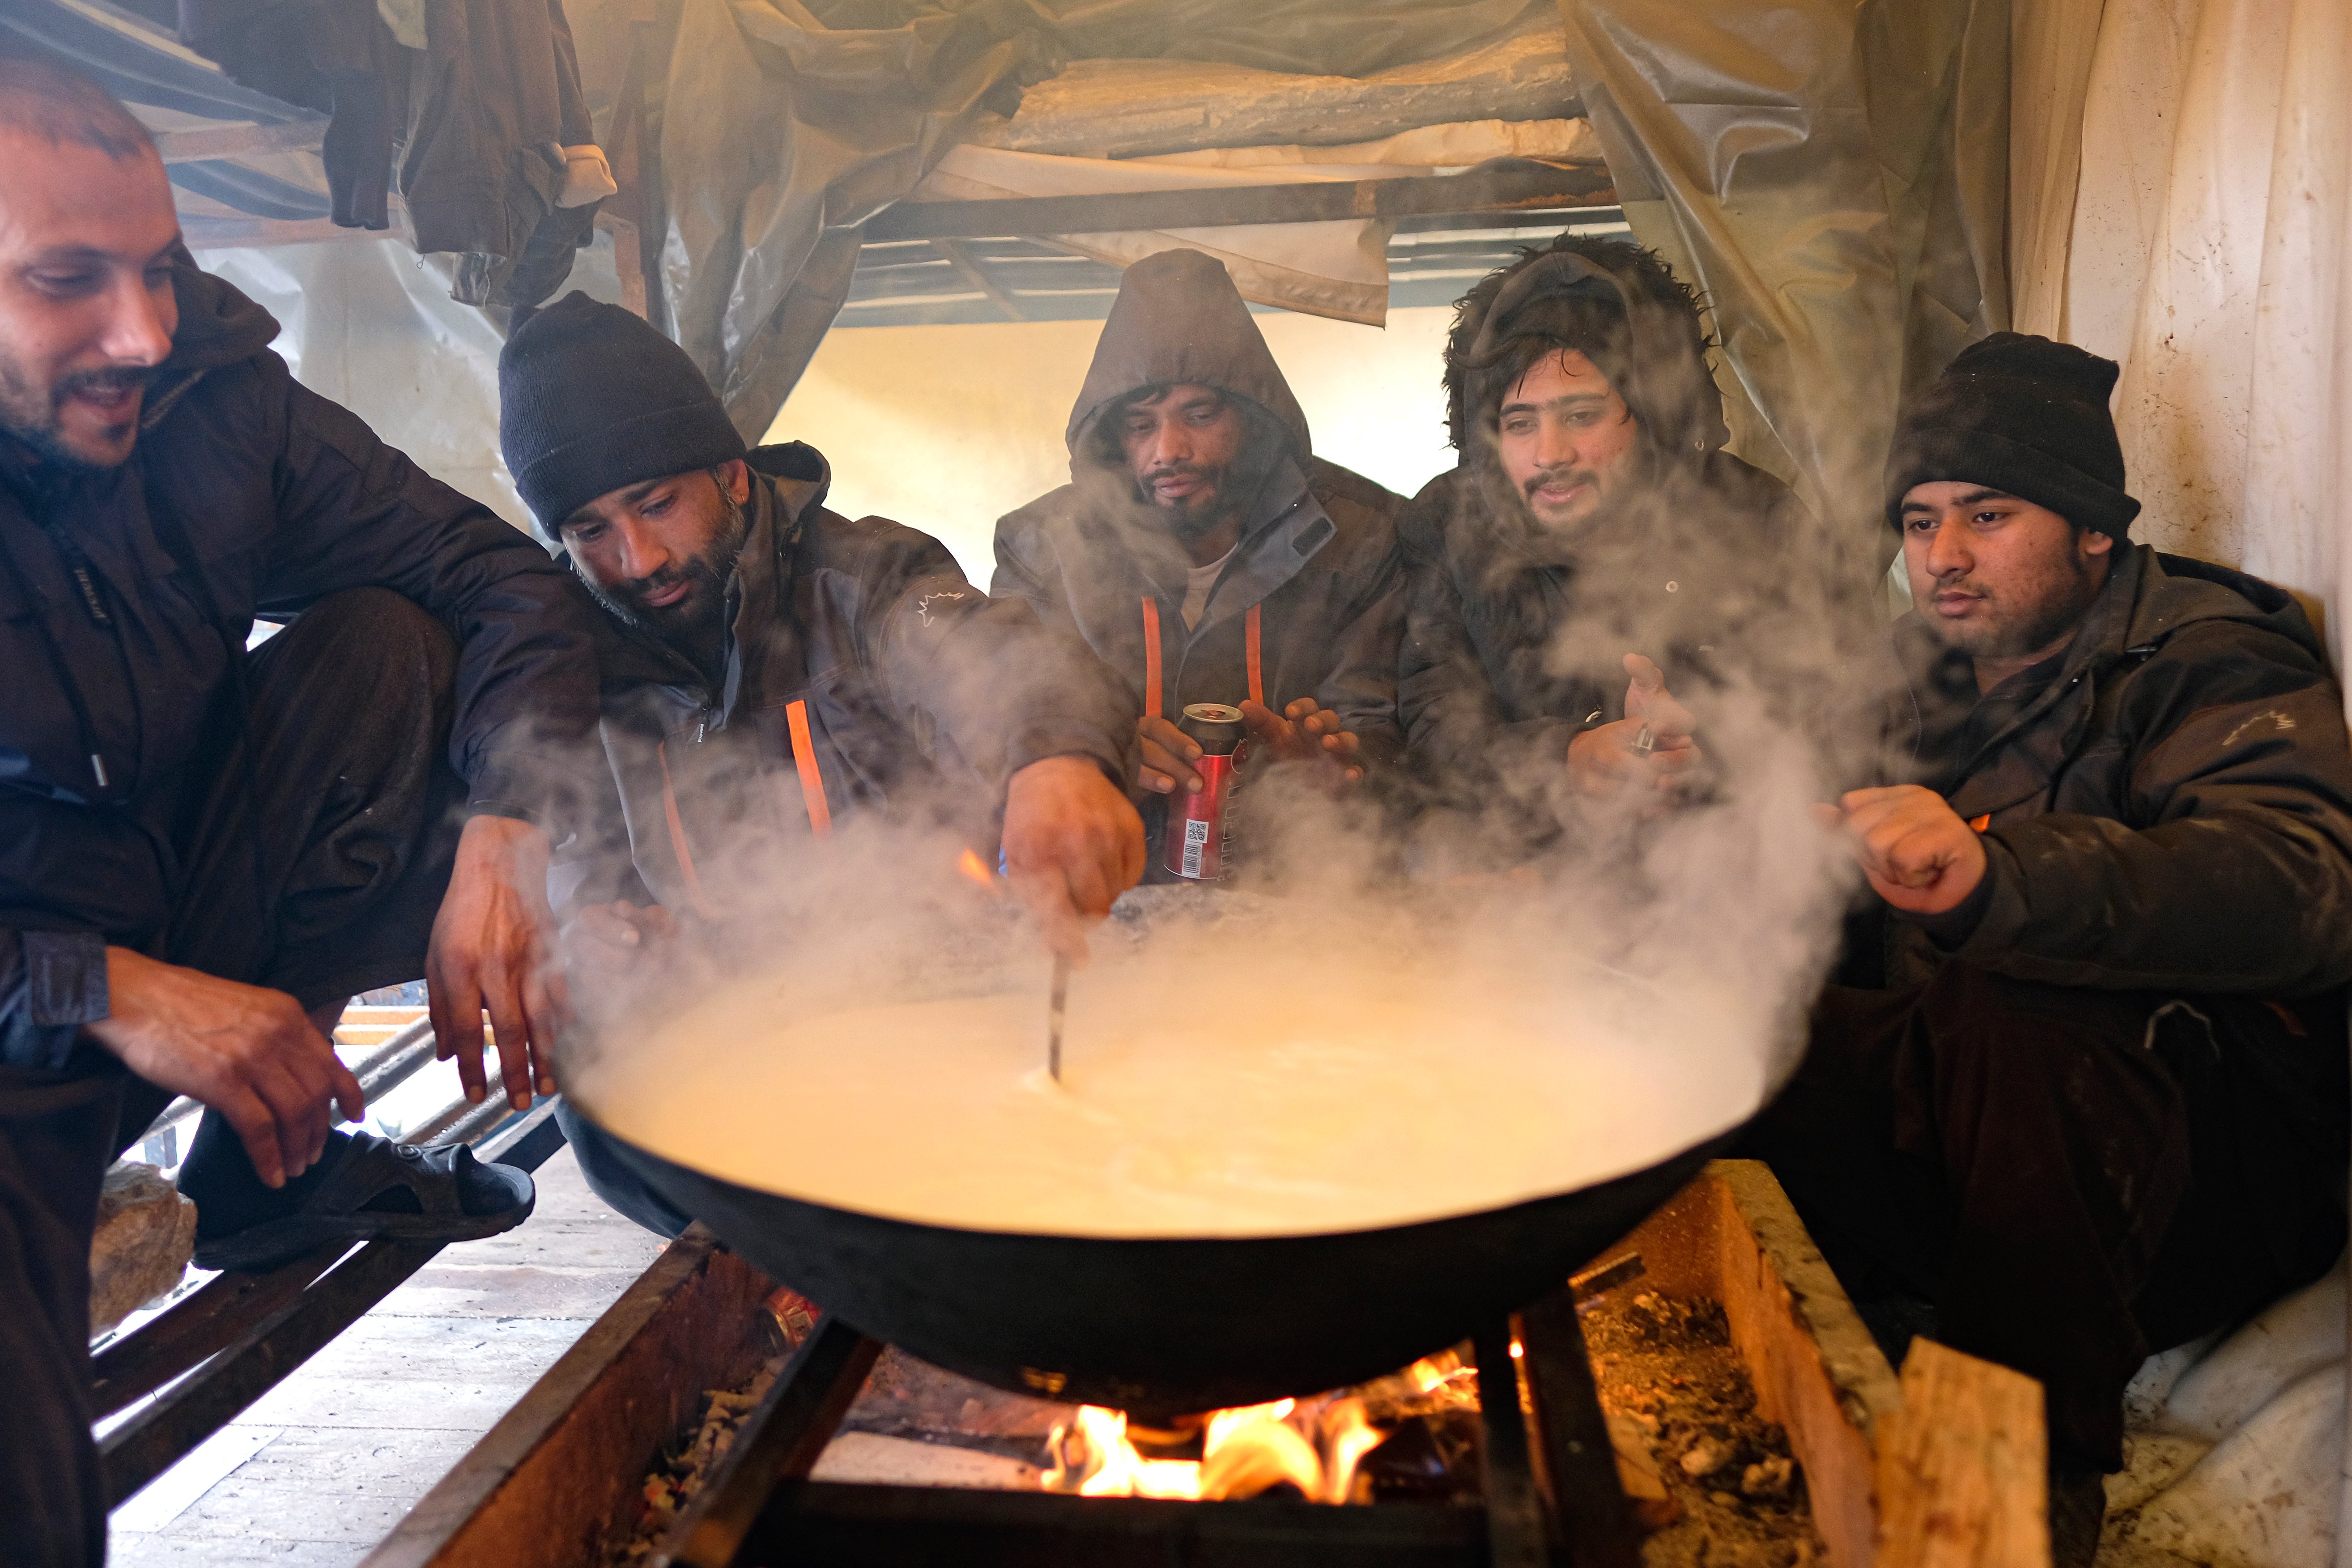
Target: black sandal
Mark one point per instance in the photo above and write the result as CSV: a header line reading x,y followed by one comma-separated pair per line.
x,y
380,1190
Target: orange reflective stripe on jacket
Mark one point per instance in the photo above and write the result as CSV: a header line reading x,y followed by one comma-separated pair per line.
x,y
1253,643
677,838
812,777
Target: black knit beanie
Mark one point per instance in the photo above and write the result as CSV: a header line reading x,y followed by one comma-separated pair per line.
x,y
2022,415
591,398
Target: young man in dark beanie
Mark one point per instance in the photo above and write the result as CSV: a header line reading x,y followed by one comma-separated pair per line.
x,y
2095,1104
1594,552
1203,549
774,672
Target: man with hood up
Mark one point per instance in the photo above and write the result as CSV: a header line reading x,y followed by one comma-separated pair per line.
x,y
777,677
1593,530
204,854
1204,550
2096,1107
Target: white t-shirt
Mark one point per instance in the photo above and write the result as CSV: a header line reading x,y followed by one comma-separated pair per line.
x,y
1198,581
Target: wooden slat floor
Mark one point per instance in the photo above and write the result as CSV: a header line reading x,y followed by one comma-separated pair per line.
x,y
315,1473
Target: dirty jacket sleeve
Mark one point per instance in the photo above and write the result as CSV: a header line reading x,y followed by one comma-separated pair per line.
x,y
352,511
2235,872
980,677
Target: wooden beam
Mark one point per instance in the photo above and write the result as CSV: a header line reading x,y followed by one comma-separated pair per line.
x,y
1511,187
267,1345
240,141
565,1466
1963,1466
967,266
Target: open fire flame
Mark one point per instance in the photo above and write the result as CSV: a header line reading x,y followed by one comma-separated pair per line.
x,y
1315,1445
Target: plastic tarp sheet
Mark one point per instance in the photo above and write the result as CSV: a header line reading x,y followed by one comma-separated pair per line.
x,y
788,123
1338,269
1835,177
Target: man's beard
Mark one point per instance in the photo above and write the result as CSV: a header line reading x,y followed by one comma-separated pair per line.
x,y
35,415
696,628
2050,621
1224,490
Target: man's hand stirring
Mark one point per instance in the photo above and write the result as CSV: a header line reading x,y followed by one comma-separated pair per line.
x,y
1919,856
490,950
1071,843
246,1051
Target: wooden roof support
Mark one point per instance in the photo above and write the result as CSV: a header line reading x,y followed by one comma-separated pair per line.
x,y
240,141
1507,188
967,268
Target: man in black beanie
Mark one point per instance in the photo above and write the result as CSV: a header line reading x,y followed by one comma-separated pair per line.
x,y
774,673
2092,1101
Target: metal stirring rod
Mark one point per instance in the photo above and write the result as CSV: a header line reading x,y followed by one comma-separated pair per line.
x,y
1053,1016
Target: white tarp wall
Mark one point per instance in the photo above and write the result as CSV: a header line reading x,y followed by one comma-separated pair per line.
x,y
2200,233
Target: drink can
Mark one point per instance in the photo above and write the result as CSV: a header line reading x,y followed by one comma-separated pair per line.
x,y
1197,822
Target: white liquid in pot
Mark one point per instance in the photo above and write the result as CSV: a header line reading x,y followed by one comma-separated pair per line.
x,y
1297,1109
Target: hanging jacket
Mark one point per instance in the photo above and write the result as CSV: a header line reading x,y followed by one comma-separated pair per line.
x,y
126,598
1310,604
864,677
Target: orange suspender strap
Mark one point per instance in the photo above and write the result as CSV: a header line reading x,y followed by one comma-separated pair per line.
x,y
1253,640
677,839
1151,656
812,778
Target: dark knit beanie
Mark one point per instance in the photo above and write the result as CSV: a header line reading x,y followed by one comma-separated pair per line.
x,y
591,398
2022,415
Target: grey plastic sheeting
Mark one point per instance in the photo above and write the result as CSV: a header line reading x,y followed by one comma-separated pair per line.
x,y
788,123
1834,178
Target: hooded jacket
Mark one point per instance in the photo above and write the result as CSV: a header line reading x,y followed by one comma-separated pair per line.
x,y
1316,569
2168,801
126,598
1514,637
864,677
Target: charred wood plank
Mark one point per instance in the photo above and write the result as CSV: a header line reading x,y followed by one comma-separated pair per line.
x,y
779,1442
1516,1533
1578,1458
563,1467
852,1526
1506,188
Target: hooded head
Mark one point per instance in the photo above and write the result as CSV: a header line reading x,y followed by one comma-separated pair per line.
x,y
1183,416
2024,415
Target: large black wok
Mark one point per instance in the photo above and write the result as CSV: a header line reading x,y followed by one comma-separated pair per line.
x,y
1163,1327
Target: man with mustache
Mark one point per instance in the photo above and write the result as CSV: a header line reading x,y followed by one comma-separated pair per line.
x,y
1594,545
777,675
2093,1103
204,854
1204,550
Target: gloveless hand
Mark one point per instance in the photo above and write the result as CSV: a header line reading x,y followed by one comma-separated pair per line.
x,y
1071,843
1919,856
490,950
1304,731
1169,755
246,1051
1605,761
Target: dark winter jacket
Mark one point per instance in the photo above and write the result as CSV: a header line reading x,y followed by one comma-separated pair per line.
x,y
864,676
1514,637
246,493
1317,562
2169,802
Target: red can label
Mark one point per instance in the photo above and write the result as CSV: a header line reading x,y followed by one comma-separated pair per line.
x,y
1196,822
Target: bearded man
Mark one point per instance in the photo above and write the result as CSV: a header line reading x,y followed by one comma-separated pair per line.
x,y
204,854
2096,1105
1593,547
1203,549
776,675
